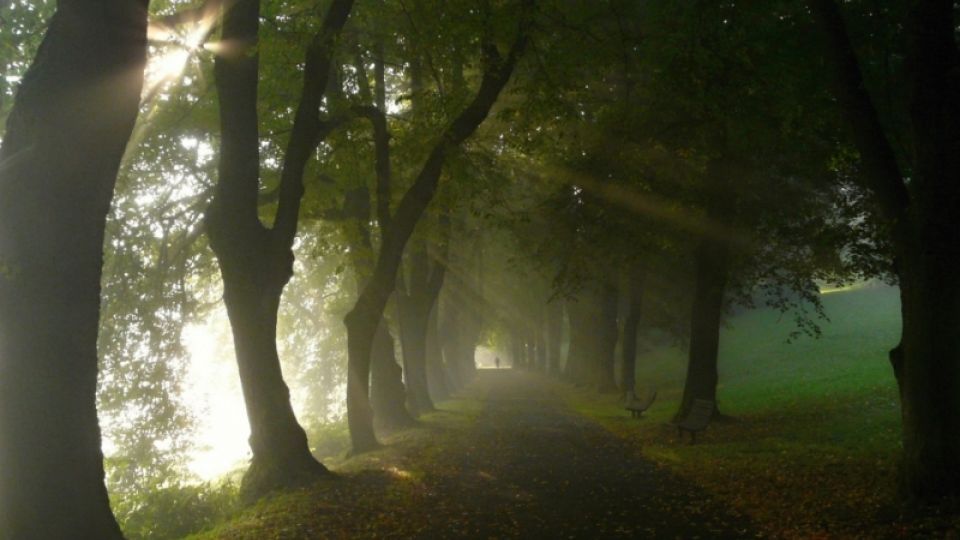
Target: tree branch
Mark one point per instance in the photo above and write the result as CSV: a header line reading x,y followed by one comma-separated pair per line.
x,y
308,129
877,154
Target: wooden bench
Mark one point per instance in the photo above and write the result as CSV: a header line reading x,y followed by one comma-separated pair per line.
x,y
697,419
636,406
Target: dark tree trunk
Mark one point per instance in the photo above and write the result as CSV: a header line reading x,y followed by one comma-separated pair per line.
x,y
711,267
65,137
582,341
281,456
388,395
554,336
925,234
541,345
256,262
416,301
607,340
711,280
631,323
414,315
361,321
450,339
436,376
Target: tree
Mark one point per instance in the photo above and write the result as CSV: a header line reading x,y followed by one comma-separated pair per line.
x,y
363,319
256,262
916,196
66,135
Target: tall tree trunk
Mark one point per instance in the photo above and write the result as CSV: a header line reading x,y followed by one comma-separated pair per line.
x,y
554,337
362,320
416,301
256,262
414,315
65,137
436,378
925,236
579,369
388,395
541,345
607,339
450,339
706,314
631,323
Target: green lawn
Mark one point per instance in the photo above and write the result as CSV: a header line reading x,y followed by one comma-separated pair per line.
x,y
812,444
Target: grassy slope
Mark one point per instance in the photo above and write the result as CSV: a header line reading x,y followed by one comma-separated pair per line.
x,y
812,446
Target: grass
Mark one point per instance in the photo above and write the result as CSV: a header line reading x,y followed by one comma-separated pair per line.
x,y
376,494
812,442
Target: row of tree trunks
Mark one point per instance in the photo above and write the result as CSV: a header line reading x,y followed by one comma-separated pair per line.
x,y
66,134
362,320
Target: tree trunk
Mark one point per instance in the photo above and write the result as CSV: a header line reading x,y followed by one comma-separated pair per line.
x,y
541,345
925,236
415,302
554,337
256,262
582,339
281,455
927,367
388,395
65,138
414,316
606,341
436,376
711,280
449,340
631,323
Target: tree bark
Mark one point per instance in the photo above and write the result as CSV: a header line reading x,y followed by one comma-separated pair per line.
x,y
66,135
416,301
256,262
436,376
631,324
710,260
554,337
925,236
711,267
583,319
541,345
607,339
388,395
361,320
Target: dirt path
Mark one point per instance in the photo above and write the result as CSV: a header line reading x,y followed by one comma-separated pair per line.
x,y
524,466
536,470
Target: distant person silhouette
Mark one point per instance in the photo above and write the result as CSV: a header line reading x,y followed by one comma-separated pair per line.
x,y
497,362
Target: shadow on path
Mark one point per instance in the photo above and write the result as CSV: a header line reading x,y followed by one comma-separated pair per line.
x,y
533,469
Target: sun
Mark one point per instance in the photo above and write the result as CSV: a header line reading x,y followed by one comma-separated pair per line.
x,y
173,49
